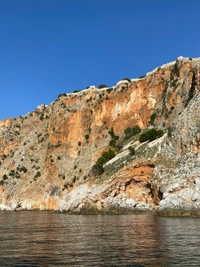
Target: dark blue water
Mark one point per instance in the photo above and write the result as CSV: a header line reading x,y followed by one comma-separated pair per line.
x,y
53,239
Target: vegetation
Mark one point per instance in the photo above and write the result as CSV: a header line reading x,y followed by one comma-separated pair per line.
x,y
126,79
152,118
192,89
74,180
112,142
87,136
109,90
79,143
131,150
129,132
150,135
169,131
42,117
101,86
5,177
57,145
66,186
76,91
114,137
64,94
98,169
38,174
23,169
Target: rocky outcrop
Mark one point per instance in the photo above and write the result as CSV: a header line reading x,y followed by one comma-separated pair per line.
x,y
180,184
47,156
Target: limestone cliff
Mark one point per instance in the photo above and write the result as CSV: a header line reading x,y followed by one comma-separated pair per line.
x,y
52,157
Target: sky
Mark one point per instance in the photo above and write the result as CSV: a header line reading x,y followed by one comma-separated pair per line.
x,y
50,47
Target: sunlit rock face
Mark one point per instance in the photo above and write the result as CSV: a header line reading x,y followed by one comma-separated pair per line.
x,y
47,156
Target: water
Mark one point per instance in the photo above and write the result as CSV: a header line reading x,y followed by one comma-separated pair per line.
x,y
54,239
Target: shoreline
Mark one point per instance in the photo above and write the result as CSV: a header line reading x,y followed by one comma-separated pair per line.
x,y
111,211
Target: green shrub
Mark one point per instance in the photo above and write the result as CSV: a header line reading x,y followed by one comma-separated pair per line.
x,y
109,90
74,180
17,175
127,79
129,132
66,186
98,169
169,131
112,142
150,135
62,95
112,134
23,169
191,93
152,118
106,156
38,174
12,173
76,91
79,143
87,136
42,117
131,150
57,145
101,86
5,177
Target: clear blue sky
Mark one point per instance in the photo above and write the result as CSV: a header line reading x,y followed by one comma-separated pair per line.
x,y
48,47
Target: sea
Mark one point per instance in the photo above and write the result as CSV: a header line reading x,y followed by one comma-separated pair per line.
x,y
39,238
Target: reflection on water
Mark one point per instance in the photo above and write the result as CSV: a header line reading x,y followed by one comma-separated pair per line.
x,y
54,239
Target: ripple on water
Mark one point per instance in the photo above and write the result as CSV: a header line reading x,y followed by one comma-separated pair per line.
x,y
56,239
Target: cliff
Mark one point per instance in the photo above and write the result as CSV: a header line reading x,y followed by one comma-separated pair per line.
x,y
132,147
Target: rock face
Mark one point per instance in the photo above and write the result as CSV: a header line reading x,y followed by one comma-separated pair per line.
x,y
47,157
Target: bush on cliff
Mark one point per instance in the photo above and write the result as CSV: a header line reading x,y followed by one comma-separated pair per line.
x,y
127,79
101,86
152,118
98,169
129,132
150,135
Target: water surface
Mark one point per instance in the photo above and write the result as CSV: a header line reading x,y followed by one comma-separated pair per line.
x,y
56,239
